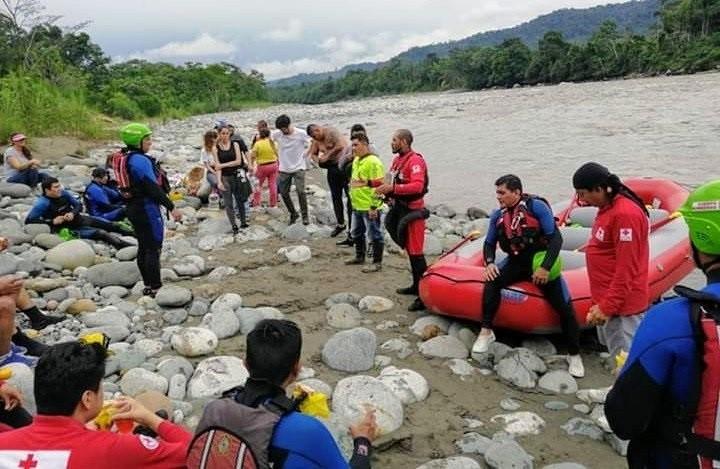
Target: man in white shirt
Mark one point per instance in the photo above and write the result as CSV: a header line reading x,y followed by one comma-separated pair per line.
x,y
291,144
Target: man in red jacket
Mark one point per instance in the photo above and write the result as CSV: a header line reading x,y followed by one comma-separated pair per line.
x,y
617,256
405,221
69,394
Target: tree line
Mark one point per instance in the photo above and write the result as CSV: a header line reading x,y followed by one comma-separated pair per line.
x,y
685,40
56,80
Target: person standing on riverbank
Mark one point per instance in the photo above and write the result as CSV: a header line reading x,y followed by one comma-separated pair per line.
x,y
526,230
406,219
149,192
291,145
264,160
20,166
367,172
617,256
332,150
235,187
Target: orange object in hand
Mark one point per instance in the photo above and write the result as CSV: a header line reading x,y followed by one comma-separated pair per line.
x,y
124,425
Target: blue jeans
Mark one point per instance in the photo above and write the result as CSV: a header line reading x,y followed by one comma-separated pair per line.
x,y
363,226
30,177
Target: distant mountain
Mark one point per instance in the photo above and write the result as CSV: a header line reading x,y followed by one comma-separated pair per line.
x,y
576,24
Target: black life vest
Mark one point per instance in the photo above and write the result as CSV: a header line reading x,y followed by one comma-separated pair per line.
x,y
519,229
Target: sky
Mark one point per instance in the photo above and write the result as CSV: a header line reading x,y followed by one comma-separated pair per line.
x,y
282,38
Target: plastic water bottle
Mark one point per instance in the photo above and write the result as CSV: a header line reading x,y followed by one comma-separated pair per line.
x,y
214,201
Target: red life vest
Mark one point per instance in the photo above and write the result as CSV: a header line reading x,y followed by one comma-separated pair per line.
x,y
518,228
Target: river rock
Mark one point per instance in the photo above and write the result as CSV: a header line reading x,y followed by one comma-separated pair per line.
x,y
455,462
353,396
375,304
14,190
520,367
48,240
421,324
8,263
215,375
474,213
343,316
250,317
564,465
149,347
402,347
172,295
556,405
108,318
138,380
473,443
352,350
221,273
231,301
34,229
127,254
199,307
84,306
126,360
583,427
111,291
343,297
444,211
296,232
593,396
508,454
175,316
509,404
125,274
408,385
540,345
461,367
558,382
444,346
172,365
190,266
296,254
42,285
520,423
223,322
177,387
194,341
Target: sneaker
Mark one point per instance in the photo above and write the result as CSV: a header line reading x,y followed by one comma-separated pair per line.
x,y
483,342
372,268
338,229
235,230
151,292
407,291
575,366
244,226
355,261
417,305
346,242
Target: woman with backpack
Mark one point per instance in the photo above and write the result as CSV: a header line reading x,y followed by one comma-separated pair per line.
x,y
234,183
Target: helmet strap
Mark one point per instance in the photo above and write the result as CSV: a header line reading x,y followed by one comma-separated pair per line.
x,y
704,266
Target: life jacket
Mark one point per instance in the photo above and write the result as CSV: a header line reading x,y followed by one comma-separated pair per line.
x,y
120,161
398,179
232,435
519,229
692,429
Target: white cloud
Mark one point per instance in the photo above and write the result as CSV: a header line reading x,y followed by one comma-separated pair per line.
x,y
292,32
203,46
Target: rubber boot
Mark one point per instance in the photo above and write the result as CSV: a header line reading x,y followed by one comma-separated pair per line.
x,y
419,266
359,253
378,248
33,347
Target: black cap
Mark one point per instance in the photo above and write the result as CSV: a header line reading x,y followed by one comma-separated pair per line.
x,y
98,173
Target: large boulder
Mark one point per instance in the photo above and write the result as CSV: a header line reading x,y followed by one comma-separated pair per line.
x,y
16,191
408,385
355,395
352,350
194,341
124,274
71,254
216,375
223,322
138,380
48,240
172,295
444,346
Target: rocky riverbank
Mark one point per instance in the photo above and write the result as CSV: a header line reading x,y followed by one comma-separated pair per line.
x,y
514,407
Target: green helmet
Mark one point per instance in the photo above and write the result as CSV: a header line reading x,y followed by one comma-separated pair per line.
x,y
133,134
556,268
702,215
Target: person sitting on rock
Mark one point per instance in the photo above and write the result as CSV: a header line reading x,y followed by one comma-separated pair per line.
x,y
69,395
297,440
20,166
11,287
102,200
59,209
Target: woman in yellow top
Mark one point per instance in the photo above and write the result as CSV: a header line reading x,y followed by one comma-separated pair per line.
x,y
368,172
264,160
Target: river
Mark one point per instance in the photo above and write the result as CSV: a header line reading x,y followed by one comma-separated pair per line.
x,y
666,127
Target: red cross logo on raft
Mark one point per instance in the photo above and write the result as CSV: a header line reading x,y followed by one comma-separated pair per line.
x,y
29,463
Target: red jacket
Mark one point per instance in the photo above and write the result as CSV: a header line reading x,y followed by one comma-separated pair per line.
x,y
56,442
409,174
617,258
